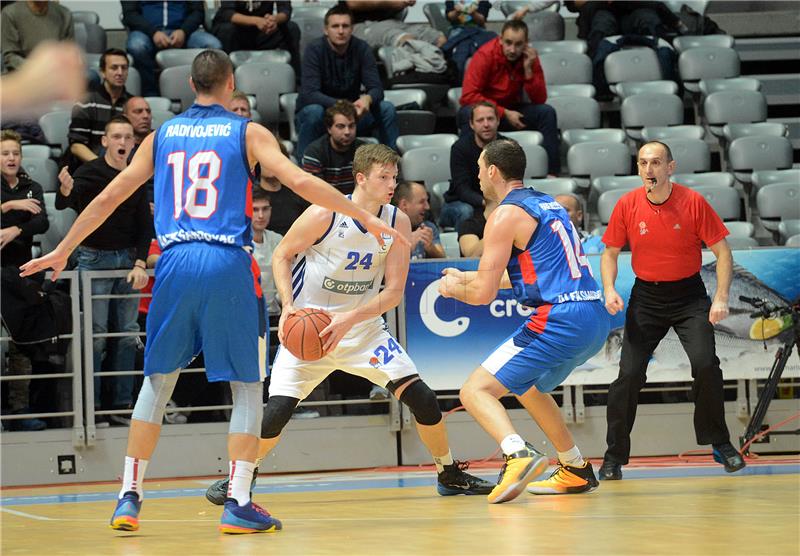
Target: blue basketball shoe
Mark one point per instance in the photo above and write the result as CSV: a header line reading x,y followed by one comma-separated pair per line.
x,y
250,518
126,515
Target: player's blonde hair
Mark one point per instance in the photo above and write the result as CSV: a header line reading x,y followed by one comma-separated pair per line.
x,y
369,154
10,135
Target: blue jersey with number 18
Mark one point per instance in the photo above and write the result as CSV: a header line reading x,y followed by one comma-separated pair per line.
x,y
202,179
552,269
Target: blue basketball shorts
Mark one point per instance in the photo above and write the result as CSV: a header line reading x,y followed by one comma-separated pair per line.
x,y
207,298
547,347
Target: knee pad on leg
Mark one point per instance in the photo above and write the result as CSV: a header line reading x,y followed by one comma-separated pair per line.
x,y
153,397
247,407
279,411
422,402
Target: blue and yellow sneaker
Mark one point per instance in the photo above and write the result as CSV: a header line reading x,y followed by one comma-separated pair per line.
x,y
250,518
126,514
518,470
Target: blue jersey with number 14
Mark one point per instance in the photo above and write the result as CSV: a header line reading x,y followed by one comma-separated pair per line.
x,y
552,269
202,179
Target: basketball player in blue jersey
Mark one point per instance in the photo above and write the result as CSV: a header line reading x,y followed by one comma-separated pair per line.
x,y
326,261
531,237
203,160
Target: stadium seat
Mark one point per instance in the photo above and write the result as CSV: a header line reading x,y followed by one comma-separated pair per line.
x,y
650,109
574,136
761,178
161,116
400,97
606,203
716,179
90,37
632,64
587,161
690,155
85,16
416,122
738,242
776,202
576,112
436,194
793,241
407,142
453,97
725,107
159,103
171,57
60,223
708,86
552,186
174,84
35,151
267,81
740,229
535,161
788,228
240,57
311,25
658,133
707,62
734,131
43,171
288,102
562,68
426,164
134,82
685,42
602,184
55,126
749,154
524,137
661,86
724,200
571,90
450,243
546,47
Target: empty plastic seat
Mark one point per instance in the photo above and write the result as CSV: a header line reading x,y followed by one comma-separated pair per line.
x,y
610,183
406,143
716,179
174,84
55,126
724,107
453,98
724,201
690,155
657,133
267,81
740,229
524,137
576,112
85,16
91,37
566,67
734,131
60,223
598,158
749,154
42,170
426,164
606,203
788,228
571,90
633,64
552,186
739,242
793,241
630,88
161,116
400,97
574,136
650,109
707,62
708,86
761,178
449,242
535,161
34,151
685,42
240,57
776,202
576,46
288,102
171,57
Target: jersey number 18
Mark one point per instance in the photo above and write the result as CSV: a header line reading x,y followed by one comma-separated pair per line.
x,y
197,183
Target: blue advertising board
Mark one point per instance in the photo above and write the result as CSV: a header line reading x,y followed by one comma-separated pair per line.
x,y
448,339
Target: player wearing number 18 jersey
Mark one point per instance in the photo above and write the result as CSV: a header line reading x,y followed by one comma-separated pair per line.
x,y
530,236
206,297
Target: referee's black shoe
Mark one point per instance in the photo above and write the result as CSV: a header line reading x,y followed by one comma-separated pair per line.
x,y
728,456
610,471
218,491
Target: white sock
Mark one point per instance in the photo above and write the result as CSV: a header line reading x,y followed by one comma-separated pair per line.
x,y
571,457
441,461
133,476
512,443
239,479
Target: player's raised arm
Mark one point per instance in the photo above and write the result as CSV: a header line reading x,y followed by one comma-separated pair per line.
x,y
121,187
262,147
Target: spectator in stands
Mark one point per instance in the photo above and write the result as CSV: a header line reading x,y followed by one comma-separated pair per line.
x,y
154,26
286,204
379,23
138,111
464,197
597,20
498,73
412,198
330,157
335,67
244,25
240,104
121,242
22,204
104,101
467,12
25,24
23,216
591,243
264,243
470,231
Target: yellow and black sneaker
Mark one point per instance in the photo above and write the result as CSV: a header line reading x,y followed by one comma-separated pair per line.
x,y
519,468
567,479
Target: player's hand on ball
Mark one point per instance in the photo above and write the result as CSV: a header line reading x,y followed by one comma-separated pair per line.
x,y
285,312
340,325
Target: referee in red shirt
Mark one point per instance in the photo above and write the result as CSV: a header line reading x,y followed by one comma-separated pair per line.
x,y
665,225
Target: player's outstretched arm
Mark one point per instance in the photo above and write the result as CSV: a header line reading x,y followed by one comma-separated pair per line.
x,y
120,188
263,148
394,279
480,287
305,231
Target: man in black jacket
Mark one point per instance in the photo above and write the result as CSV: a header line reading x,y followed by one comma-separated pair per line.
x,y
121,242
154,26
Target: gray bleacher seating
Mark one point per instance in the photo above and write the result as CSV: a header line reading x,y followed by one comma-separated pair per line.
x,y
576,46
761,152
574,136
690,155
161,116
707,62
449,242
288,102
630,88
267,81
576,112
788,228
602,184
240,57
598,158
761,178
171,57
453,97
606,203
407,142
793,241
55,126
685,42
718,179
436,193
776,202
34,151
524,137
632,64
535,161
174,84
85,16
42,170
740,229
426,164
734,106
60,223
650,109
708,86
734,131
553,186
724,201
90,37
311,25
434,13
683,131
411,121
159,103
562,68
571,90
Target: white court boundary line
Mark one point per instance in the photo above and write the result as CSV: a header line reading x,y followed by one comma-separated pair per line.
x,y
30,516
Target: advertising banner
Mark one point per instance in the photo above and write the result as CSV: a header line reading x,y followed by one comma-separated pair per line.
x,y
448,339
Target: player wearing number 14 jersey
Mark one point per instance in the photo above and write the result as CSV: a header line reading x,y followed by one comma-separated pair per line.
x,y
531,236
326,261
206,293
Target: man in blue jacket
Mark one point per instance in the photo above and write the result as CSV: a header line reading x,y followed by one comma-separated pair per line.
x,y
335,67
154,26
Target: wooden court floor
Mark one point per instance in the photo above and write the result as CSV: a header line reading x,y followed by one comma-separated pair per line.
x,y
674,511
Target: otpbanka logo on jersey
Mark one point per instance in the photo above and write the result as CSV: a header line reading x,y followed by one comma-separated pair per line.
x,y
642,228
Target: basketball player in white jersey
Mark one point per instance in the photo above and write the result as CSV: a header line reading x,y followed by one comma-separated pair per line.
x,y
328,261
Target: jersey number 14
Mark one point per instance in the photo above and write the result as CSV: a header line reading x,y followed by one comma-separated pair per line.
x,y
572,249
191,202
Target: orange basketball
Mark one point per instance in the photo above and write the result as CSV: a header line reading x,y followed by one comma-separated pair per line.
x,y
301,333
